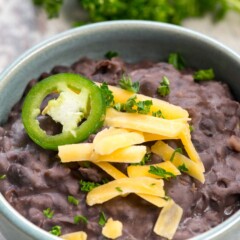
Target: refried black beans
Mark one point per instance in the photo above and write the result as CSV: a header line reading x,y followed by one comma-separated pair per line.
x,y
36,180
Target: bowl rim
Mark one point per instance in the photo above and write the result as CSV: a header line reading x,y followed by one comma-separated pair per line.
x,y
5,208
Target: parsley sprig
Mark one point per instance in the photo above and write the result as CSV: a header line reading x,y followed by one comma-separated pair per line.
x,y
164,87
48,213
110,54
56,230
126,83
161,172
176,60
144,161
102,219
158,114
204,75
108,95
183,168
73,200
87,186
80,218
177,150
132,106
3,176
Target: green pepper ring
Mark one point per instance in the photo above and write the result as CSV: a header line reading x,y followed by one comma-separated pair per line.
x,y
33,100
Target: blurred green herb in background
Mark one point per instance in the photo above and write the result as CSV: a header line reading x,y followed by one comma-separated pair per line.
x,y
171,11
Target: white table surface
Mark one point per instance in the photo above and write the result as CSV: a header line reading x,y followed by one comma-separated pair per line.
x,y
22,26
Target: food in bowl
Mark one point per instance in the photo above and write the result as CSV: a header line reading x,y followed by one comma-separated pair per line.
x,y
52,194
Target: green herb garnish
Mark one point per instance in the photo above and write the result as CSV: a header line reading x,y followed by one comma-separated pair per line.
x,y
204,75
56,230
80,218
102,219
176,60
73,200
126,83
158,114
177,150
2,177
119,189
144,161
87,186
191,128
164,87
48,213
132,106
166,198
108,95
111,54
161,172
182,168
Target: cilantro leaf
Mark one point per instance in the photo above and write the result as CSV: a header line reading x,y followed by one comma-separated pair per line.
x,y
48,213
182,168
176,60
161,172
144,161
73,200
102,219
110,54
204,75
177,150
164,87
143,107
56,230
2,177
107,94
191,128
88,186
126,83
80,218
158,114
119,189
132,106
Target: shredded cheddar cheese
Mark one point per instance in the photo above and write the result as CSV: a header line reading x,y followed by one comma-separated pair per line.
x,y
75,236
112,229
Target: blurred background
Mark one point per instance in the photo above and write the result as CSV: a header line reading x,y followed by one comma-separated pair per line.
x,y
24,23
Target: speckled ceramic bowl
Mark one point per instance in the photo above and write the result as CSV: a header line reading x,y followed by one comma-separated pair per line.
x,y
135,40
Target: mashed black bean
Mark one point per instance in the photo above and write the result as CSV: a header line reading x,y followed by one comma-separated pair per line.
x,y
36,180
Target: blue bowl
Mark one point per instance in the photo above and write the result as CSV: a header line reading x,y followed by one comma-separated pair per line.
x,y
135,40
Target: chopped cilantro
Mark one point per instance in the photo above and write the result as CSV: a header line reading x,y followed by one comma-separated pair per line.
x,y
102,219
108,95
158,114
177,150
191,128
182,168
48,213
126,83
73,200
111,54
132,106
88,186
164,87
119,189
80,218
176,60
56,230
160,172
143,107
202,75
166,198
2,177
146,159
